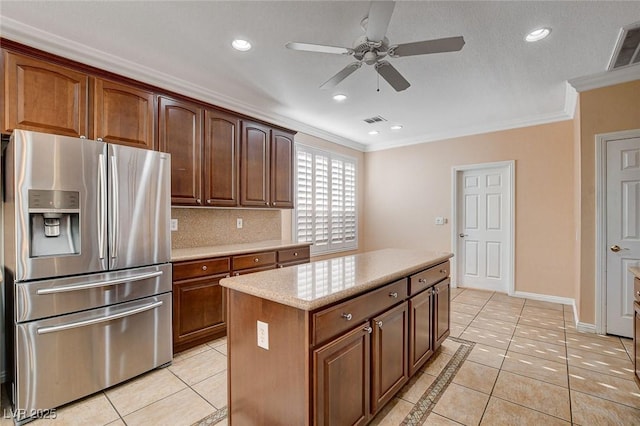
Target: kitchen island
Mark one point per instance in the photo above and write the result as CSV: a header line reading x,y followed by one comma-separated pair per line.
x,y
331,342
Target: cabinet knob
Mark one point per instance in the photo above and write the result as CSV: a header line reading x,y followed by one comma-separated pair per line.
x,y
638,293
281,266
394,295
422,280
295,253
256,260
368,329
267,203
209,201
198,201
83,137
348,317
429,292
204,267
99,139
274,203
379,324
228,275
443,271
236,274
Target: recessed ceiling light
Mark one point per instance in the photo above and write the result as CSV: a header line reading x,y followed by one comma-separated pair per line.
x,y
537,35
339,97
241,45
396,127
374,132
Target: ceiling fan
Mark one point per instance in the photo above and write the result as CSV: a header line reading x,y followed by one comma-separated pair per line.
x,y
373,47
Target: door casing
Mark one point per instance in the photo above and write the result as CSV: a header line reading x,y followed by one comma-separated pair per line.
x,y
455,206
601,223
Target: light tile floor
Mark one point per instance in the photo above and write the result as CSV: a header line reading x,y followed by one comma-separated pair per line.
x,y
529,366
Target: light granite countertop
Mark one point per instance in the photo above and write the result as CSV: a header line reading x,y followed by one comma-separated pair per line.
x,y
635,270
193,253
313,285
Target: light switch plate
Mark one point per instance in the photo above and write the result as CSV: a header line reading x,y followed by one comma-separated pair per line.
x,y
263,335
440,220
174,224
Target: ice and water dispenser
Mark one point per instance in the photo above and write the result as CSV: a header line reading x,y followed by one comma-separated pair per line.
x,y
54,220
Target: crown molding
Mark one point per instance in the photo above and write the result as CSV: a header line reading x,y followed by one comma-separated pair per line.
x,y
39,39
476,130
570,100
607,78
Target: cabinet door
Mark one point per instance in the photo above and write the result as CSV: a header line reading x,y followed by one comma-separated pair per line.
x,y
254,165
180,131
281,169
420,337
636,341
198,310
44,97
341,379
441,310
389,355
123,114
221,159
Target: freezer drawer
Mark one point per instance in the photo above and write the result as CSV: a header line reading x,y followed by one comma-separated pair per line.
x,y
78,354
47,298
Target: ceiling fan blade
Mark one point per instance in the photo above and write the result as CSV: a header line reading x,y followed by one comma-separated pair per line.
x,y
378,21
341,75
308,47
392,76
449,44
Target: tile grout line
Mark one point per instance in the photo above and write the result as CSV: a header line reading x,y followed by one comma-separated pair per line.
x,y
114,407
566,349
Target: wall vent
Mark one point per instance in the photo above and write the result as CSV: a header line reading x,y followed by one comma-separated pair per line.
x,y
376,119
627,50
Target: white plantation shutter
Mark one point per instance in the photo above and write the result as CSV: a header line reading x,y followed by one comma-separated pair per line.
x,y
325,213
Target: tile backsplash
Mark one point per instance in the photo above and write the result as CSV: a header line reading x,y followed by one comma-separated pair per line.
x,y
210,227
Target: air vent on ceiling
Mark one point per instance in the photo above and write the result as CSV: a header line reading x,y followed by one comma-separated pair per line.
x,y
376,119
627,50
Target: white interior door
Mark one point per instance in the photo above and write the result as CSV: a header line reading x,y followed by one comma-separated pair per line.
x,y
483,227
623,231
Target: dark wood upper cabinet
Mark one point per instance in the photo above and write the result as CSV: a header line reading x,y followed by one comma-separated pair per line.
x,y
123,114
281,169
44,97
180,134
221,158
255,165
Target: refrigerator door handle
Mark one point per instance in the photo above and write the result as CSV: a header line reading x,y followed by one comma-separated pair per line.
x,y
84,286
102,206
84,323
115,208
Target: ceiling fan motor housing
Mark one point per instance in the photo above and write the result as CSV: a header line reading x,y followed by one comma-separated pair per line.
x,y
369,51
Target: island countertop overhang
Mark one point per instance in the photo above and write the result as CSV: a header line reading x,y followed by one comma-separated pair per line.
x,y
318,284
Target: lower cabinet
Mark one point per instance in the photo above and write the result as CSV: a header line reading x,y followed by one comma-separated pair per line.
x,y
441,311
636,341
342,374
420,341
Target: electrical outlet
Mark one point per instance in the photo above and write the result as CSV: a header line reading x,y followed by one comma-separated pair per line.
x,y
263,335
174,224
239,223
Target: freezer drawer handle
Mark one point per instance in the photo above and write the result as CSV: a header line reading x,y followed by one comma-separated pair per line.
x,y
53,329
85,286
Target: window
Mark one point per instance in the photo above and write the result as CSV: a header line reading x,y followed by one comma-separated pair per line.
x,y
325,213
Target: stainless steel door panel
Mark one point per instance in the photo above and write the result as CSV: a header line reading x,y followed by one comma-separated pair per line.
x,y
140,207
49,162
79,354
47,298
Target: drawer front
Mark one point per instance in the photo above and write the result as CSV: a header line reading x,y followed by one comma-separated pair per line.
x,y
252,270
293,255
636,289
200,268
340,318
428,277
255,260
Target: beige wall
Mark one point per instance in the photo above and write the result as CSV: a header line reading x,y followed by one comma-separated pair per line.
x,y
605,110
315,142
406,188
576,207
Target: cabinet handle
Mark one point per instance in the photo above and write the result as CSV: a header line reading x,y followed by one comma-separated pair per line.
x,y
204,267
256,260
422,280
394,295
379,324
443,271
368,329
348,317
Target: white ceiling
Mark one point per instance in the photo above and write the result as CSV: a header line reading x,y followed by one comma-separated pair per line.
x,y
497,81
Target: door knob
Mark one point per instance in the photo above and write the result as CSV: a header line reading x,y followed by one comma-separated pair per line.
x,y
464,235
615,248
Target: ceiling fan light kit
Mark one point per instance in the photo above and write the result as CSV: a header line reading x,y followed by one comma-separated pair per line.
x,y
241,45
373,47
538,34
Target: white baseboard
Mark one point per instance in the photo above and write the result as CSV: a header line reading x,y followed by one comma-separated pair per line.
x,y
545,298
486,286
586,327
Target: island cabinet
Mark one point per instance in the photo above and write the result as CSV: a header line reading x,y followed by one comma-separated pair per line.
x,y
636,329
334,364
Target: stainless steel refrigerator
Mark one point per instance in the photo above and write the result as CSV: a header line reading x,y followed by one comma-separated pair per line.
x,y
88,278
